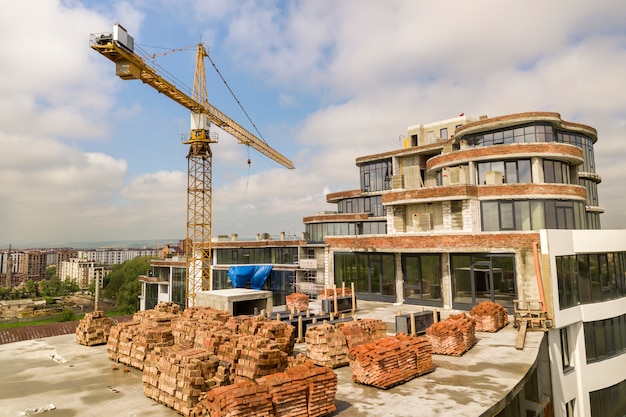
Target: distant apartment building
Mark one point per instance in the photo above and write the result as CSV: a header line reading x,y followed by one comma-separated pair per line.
x,y
115,256
82,271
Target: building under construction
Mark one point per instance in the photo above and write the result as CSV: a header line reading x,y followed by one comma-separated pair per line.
x,y
501,209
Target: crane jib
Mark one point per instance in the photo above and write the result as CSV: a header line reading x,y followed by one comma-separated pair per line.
x,y
130,66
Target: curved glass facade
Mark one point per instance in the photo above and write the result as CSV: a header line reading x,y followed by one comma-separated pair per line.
x,y
513,171
376,176
372,205
497,215
316,231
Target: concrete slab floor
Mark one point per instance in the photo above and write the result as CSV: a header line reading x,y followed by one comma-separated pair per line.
x,y
80,381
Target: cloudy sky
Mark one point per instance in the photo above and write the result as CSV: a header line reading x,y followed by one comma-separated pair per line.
x,y
85,156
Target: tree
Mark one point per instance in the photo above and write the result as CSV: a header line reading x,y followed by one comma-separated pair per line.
x,y
51,271
31,288
69,286
123,286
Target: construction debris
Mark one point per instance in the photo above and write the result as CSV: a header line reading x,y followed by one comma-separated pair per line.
x,y
297,301
93,329
391,361
453,336
489,316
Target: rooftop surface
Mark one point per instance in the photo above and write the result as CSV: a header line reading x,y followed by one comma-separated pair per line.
x,y
79,380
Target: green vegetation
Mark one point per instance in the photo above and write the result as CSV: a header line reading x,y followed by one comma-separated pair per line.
x,y
52,319
123,286
67,315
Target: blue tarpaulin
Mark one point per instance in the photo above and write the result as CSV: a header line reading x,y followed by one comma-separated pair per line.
x,y
256,275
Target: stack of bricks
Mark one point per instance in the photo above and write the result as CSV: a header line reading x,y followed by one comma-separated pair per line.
x,y
362,331
304,390
329,293
177,376
297,301
245,398
258,357
391,361
206,313
130,343
321,382
93,329
282,333
453,336
489,316
121,339
326,346
167,307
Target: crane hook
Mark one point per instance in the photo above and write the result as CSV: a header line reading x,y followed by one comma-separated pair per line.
x,y
249,162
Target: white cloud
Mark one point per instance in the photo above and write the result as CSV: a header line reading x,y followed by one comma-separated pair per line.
x,y
366,70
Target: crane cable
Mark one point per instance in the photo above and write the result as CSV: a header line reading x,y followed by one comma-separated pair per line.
x,y
234,96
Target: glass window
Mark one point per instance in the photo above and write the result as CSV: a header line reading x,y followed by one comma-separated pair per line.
x,y
490,216
443,133
507,220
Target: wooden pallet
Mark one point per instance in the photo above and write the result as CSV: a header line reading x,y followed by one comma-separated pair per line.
x,y
528,315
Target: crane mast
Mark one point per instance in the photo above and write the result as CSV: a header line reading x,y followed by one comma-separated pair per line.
x,y
118,47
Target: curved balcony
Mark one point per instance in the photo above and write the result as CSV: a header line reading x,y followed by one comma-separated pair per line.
x,y
521,118
500,191
549,150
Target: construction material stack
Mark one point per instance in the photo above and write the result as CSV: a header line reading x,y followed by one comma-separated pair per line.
x,y
256,357
302,390
489,316
282,333
326,346
453,336
362,331
297,302
93,329
177,376
130,343
391,361
330,293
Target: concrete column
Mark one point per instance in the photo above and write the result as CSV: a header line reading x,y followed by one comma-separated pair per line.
x,y
446,281
537,170
399,278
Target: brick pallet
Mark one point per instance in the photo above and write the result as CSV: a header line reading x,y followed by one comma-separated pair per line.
x,y
93,329
362,331
257,357
329,293
489,316
282,333
326,346
245,398
129,343
303,390
206,313
177,376
453,336
391,361
297,301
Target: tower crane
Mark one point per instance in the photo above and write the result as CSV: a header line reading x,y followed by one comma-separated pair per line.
x,y
118,46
